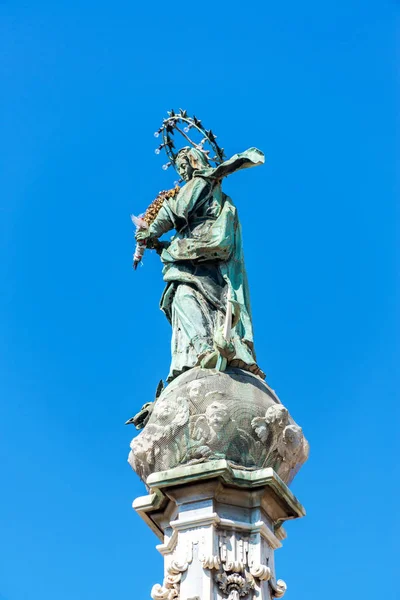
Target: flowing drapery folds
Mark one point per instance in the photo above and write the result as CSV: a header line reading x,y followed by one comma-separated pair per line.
x,y
203,261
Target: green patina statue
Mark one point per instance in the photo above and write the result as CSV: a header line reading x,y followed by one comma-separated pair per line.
x,y
206,298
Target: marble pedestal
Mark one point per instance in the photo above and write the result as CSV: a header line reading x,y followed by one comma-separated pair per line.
x,y
219,528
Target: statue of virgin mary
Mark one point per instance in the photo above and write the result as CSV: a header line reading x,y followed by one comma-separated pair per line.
x,y
204,266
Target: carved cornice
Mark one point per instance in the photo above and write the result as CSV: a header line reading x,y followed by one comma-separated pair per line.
x,y
250,480
170,545
199,521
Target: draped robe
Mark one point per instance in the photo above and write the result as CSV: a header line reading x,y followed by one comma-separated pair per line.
x,y
203,261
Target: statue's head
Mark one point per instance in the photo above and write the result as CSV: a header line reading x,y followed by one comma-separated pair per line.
x,y
189,160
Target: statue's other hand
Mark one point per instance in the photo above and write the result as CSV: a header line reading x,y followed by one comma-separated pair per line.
x,y
142,235
157,245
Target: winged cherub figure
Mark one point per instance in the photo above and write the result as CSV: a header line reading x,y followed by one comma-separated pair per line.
x,y
292,452
216,434
269,429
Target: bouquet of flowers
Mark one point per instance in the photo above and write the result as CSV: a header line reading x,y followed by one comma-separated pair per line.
x,y
144,221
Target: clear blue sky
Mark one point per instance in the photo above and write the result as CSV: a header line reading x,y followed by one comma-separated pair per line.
x,y
83,87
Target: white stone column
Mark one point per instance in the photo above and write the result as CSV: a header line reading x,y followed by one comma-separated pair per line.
x,y
219,528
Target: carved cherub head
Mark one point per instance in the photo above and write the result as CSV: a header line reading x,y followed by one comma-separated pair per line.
x,y
277,416
194,390
170,410
290,446
164,410
293,437
217,416
207,426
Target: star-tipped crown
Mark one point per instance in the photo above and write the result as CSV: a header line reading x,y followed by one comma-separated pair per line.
x,y
189,128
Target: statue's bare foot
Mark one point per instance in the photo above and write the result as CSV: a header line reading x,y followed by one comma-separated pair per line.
x,y
210,360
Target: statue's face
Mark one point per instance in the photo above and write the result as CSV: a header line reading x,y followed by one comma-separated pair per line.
x,y
184,167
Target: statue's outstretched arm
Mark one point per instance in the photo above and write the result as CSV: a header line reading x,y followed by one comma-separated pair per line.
x,y
161,224
244,160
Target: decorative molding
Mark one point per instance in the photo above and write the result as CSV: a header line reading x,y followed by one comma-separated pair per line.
x,y
251,528
280,532
169,590
261,572
266,478
234,585
278,588
169,546
236,580
235,566
199,521
211,562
